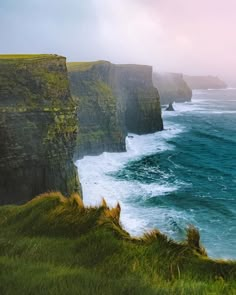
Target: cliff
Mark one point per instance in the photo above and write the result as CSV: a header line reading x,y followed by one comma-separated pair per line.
x,y
56,245
204,82
38,127
113,100
172,87
100,125
139,98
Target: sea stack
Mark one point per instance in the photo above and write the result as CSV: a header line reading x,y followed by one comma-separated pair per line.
x,y
170,107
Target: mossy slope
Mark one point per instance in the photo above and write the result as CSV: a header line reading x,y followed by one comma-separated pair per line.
x,y
55,245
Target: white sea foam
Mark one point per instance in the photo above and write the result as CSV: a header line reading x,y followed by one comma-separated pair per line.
x,y
94,170
200,104
220,89
97,181
181,108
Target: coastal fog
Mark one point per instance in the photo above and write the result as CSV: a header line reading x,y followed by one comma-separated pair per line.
x,y
192,37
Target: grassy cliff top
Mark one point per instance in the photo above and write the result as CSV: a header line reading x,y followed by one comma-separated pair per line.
x,y
55,245
5,57
134,66
84,66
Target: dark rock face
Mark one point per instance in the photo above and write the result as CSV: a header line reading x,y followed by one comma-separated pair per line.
x,y
204,82
113,100
172,87
38,128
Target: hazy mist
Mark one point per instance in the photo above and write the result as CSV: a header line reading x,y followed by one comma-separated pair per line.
x,y
194,37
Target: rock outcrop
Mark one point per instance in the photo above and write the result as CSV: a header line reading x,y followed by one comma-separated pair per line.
x,y
113,100
204,82
171,87
38,127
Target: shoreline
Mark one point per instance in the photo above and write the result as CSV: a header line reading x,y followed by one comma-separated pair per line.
x,y
98,178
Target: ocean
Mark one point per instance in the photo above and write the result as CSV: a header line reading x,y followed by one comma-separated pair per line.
x,y
183,175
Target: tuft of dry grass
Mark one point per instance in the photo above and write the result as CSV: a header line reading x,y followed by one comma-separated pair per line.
x,y
152,236
76,200
193,240
104,203
47,195
113,213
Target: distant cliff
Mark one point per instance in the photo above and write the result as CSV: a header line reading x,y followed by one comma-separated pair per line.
x,y
171,87
38,127
113,100
204,82
140,99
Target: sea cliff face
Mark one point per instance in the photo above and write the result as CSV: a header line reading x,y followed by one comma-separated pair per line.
x,y
204,82
38,128
100,125
113,100
139,98
172,87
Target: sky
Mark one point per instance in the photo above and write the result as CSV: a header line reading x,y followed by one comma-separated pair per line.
x,y
189,36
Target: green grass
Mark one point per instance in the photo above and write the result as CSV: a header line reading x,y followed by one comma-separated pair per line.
x,y
24,56
54,245
83,66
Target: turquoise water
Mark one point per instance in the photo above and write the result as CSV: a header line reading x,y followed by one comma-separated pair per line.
x,y
183,175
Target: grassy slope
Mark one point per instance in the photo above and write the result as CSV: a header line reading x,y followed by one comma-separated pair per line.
x,y
54,245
